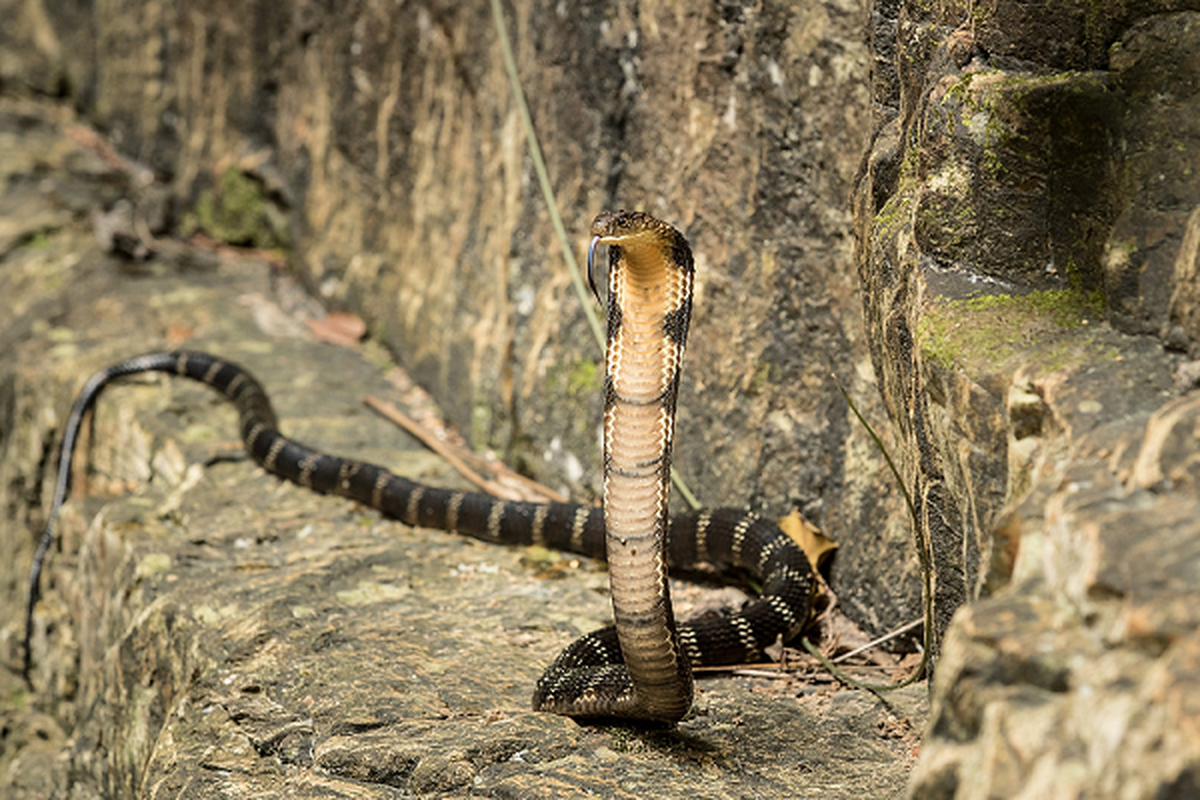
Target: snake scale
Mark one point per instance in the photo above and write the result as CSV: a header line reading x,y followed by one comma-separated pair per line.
x,y
639,668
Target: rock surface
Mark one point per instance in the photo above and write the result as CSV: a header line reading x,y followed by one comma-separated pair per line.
x,y
208,631
1028,218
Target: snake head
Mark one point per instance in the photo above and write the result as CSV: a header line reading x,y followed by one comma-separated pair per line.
x,y
615,227
636,231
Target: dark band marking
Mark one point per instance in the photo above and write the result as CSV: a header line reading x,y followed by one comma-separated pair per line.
x,y
702,523
413,506
539,525
739,536
251,440
307,465
214,369
378,487
495,517
273,453
577,527
657,400
675,323
346,473
452,511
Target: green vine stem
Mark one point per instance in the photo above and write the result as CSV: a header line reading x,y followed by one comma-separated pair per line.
x,y
560,230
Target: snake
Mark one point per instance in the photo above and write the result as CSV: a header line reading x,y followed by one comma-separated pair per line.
x,y
640,667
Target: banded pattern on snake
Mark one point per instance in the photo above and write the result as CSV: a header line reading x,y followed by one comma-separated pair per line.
x,y
639,668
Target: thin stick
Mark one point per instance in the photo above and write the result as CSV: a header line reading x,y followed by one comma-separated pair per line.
x,y
922,556
538,489
886,637
777,671
543,175
560,230
397,416
770,674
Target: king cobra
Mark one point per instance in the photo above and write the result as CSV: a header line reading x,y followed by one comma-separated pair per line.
x,y
639,668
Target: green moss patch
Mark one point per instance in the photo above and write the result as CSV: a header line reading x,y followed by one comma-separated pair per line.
x,y
985,334
585,378
237,211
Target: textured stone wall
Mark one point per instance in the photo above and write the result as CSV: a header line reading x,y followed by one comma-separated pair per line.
x,y
1027,217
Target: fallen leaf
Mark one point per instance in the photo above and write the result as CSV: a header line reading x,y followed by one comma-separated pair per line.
x,y
816,545
339,328
178,334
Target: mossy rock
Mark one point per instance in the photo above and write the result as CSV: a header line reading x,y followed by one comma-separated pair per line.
x,y
239,212
983,334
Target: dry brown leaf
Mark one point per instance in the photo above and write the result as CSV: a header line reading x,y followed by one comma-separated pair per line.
x,y
816,545
178,334
505,483
338,328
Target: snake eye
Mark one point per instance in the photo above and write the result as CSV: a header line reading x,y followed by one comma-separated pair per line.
x,y
591,273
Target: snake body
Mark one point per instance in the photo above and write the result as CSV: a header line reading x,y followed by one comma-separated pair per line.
x,y
641,667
